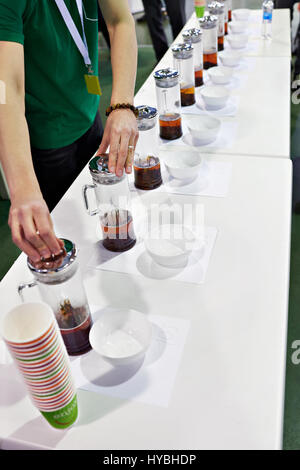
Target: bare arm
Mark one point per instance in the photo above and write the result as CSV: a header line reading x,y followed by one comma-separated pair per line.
x,y
121,128
28,213
120,25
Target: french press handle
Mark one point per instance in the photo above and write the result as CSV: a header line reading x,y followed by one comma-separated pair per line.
x,y
23,286
85,189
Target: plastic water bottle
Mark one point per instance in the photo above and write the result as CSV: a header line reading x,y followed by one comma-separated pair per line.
x,y
267,8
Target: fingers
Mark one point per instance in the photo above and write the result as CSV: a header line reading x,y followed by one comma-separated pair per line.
x,y
131,150
113,152
44,226
104,143
121,155
61,243
123,152
136,138
50,263
21,242
32,234
120,133
32,231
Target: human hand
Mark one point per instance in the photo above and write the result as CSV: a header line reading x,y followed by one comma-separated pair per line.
x,y
32,228
121,135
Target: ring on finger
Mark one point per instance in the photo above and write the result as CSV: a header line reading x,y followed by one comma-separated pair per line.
x,y
129,159
130,151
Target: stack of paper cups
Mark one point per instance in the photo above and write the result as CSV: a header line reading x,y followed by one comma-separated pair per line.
x,y
31,334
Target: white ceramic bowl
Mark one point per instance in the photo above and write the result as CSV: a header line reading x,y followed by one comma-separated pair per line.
x,y
241,14
238,41
215,97
203,128
170,245
230,58
220,75
183,165
121,336
237,27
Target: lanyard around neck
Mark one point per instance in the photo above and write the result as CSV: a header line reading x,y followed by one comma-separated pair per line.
x,y
80,43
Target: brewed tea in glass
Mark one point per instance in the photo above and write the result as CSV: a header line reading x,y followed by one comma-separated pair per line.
x,y
168,103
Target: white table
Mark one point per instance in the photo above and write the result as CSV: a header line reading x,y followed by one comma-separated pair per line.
x,y
263,117
280,46
229,389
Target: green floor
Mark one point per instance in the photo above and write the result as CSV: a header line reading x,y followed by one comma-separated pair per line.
x,y
8,251
146,62
292,401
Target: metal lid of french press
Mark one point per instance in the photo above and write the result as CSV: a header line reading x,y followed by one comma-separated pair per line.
x,y
147,117
183,50
98,167
166,74
192,35
216,7
55,264
146,112
208,21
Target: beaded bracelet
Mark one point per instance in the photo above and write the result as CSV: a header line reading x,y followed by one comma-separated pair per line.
x,y
122,106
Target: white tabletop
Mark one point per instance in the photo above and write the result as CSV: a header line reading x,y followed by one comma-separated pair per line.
x,y
263,108
229,387
279,46
263,94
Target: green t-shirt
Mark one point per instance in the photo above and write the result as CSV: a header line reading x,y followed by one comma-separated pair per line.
x,y
59,109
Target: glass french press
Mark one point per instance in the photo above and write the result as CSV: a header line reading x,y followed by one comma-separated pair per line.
x,y
226,5
113,205
194,36
147,172
209,28
229,10
183,56
60,285
168,103
217,8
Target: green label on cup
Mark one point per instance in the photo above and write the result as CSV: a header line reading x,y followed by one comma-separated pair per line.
x,y
199,11
64,417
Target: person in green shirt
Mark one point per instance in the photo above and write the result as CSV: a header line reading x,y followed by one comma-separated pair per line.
x,y
49,124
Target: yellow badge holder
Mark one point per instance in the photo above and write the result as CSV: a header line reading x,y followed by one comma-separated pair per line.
x,y
93,84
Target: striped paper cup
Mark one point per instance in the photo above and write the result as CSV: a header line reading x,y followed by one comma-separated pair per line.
x,y
32,358
43,371
57,400
46,380
34,340
35,379
52,402
58,379
42,365
36,346
44,388
52,390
